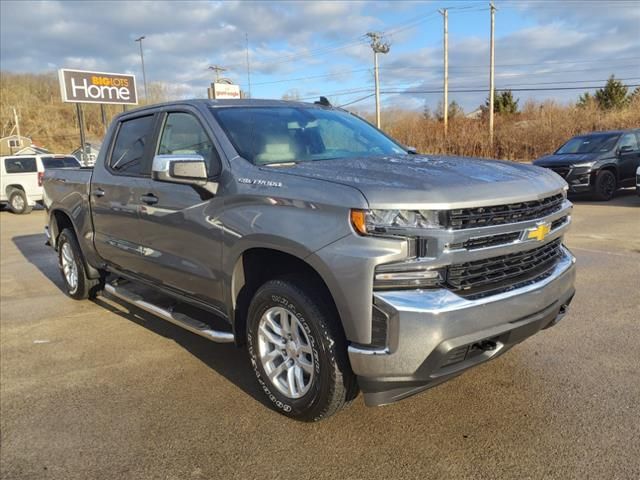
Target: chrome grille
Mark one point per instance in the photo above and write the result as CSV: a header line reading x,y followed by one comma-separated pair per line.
x,y
501,272
462,218
488,241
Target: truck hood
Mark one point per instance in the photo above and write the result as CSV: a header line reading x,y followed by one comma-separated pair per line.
x,y
567,159
437,182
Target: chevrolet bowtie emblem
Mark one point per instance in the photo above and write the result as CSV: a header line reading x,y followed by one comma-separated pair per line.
x,y
539,232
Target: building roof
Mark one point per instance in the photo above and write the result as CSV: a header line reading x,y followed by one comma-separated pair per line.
x,y
32,150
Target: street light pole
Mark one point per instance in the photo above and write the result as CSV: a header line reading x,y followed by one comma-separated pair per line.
x,y
144,74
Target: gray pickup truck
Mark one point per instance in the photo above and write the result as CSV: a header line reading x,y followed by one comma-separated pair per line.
x,y
343,260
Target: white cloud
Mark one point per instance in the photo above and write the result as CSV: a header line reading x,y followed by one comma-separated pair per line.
x,y
563,41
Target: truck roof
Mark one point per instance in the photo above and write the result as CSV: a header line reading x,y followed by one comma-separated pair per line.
x,y
244,102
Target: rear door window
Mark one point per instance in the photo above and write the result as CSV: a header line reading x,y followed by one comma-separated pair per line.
x,y
60,162
128,154
20,165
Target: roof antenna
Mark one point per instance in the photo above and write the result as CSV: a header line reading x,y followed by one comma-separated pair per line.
x,y
323,101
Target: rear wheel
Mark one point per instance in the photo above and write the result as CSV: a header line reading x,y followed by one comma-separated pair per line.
x,y
605,185
298,352
71,264
18,202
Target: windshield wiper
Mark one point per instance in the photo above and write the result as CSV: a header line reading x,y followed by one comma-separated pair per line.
x,y
280,164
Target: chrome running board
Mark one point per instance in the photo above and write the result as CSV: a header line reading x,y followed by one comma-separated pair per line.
x,y
179,319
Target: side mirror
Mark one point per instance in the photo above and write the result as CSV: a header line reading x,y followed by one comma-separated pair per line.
x,y
187,169
625,149
412,150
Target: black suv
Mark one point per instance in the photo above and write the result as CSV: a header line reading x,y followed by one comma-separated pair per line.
x,y
598,163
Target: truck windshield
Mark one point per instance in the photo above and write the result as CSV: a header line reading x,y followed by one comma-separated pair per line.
x,y
60,162
589,144
273,135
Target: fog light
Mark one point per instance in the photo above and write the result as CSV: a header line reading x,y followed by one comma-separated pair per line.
x,y
417,278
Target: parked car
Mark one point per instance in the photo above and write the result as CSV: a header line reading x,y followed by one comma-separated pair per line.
x,y
21,178
342,260
598,163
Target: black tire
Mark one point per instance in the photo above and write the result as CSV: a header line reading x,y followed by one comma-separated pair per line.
x,y
85,287
18,202
605,185
333,385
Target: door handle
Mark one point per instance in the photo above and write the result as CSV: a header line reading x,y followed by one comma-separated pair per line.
x,y
98,192
149,199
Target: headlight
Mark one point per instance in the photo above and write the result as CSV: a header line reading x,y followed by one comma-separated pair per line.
x,y
390,222
585,164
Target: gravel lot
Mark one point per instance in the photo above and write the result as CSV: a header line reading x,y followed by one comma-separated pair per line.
x,y
92,391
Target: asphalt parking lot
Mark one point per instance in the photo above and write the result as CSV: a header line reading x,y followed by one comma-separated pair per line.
x,y
90,391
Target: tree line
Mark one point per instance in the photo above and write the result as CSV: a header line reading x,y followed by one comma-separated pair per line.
x,y
614,95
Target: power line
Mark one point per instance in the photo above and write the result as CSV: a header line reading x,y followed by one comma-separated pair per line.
x,y
480,90
356,101
400,68
360,70
435,90
332,47
542,63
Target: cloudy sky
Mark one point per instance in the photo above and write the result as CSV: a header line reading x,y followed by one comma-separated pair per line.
x,y
316,48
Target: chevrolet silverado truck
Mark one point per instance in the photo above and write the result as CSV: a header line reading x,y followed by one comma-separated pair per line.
x,y
341,259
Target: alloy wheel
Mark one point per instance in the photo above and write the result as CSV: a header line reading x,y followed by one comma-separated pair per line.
x,y
69,267
285,352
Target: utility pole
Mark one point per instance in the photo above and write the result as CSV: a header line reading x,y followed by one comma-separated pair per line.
x,y
17,122
246,36
144,74
491,72
445,100
217,69
378,47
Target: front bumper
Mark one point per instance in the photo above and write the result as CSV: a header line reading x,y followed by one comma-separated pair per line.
x,y
579,179
435,335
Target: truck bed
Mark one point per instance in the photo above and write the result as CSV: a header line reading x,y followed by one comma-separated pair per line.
x,y
67,186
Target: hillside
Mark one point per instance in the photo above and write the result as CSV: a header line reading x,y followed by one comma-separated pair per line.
x,y
537,129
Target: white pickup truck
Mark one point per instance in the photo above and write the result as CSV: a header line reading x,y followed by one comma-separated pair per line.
x,y
21,178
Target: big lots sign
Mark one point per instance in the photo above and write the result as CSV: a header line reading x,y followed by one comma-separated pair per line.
x,y
80,86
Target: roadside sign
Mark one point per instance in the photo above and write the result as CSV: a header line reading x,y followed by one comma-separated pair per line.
x,y
225,90
81,86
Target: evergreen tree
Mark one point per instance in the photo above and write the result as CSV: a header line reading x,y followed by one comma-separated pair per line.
x,y
455,111
612,96
585,100
503,102
426,111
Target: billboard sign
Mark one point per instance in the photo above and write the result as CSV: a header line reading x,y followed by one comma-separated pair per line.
x,y
225,90
80,86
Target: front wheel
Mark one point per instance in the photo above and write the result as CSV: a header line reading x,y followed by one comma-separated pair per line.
x,y
605,185
71,263
298,351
